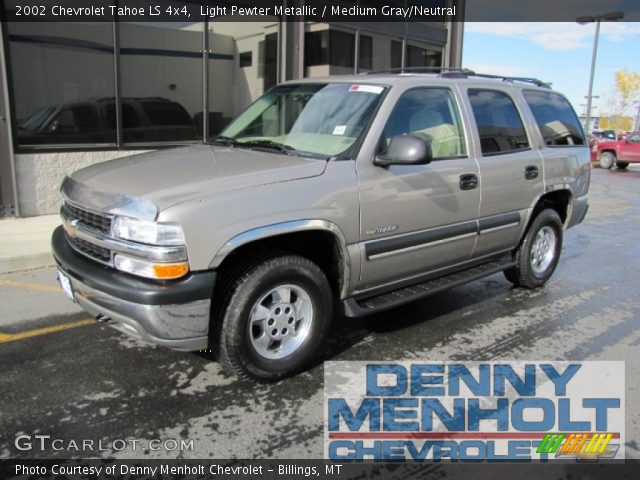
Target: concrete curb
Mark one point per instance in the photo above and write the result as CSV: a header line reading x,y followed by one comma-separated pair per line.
x,y
25,243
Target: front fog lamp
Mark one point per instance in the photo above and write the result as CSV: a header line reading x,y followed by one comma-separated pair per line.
x,y
151,233
147,269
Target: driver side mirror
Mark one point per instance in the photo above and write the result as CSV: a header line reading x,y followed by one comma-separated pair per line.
x,y
406,150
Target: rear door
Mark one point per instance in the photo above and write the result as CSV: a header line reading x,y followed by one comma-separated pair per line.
x,y
511,175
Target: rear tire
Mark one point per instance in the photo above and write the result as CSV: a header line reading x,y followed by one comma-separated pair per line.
x,y
622,165
539,253
606,160
277,314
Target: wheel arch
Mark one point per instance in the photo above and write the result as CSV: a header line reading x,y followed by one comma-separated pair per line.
x,y
558,198
319,240
610,150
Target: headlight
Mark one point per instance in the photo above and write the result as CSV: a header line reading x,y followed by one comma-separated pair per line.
x,y
151,233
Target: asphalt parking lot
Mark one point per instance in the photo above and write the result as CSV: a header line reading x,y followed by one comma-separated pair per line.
x,y
63,375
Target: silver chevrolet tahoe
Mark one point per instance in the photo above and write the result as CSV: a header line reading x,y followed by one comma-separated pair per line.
x,y
327,196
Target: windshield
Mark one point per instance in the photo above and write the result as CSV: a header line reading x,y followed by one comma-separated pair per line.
x,y
37,118
318,119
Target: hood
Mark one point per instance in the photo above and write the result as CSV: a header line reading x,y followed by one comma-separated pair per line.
x,y
169,177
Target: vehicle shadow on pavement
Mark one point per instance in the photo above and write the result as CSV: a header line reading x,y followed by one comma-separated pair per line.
x,y
438,315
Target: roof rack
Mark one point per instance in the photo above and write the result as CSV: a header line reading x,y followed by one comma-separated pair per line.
x,y
401,70
448,72
534,81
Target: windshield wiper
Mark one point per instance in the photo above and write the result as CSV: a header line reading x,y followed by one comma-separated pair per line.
x,y
281,147
224,140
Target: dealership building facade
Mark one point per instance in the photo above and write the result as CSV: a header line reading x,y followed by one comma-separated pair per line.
x,y
74,94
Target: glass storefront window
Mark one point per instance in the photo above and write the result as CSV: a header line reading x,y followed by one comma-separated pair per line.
x,y
66,93
236,83
334,48
365,55
63,82
422,57
161,82
396,54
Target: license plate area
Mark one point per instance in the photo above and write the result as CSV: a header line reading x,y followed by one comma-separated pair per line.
x,y
67,287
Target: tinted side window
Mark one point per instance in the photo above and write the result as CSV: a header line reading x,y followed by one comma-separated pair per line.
x,y
166,113
556,119
499,124
342,46
246,59
431,113
366,52
329,47
316,48
396,54
81,119
130,117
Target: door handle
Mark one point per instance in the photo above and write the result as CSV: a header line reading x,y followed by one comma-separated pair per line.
x,y
531,172
468,181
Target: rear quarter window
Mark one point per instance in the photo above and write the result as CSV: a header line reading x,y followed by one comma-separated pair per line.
x,y
556,119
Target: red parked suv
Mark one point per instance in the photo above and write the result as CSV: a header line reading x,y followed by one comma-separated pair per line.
x,y
621,152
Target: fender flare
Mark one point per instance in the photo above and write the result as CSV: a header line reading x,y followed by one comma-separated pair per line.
x,y
283,228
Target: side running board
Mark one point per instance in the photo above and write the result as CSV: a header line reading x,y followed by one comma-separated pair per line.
x,y
358,307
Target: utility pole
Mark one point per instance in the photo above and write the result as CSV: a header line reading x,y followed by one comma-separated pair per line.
x,y
607,17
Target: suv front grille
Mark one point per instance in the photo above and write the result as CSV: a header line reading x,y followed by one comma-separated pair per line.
x,y
95,252
95,221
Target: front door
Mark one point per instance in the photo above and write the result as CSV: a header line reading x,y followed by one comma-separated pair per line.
x,y
630,148
416,219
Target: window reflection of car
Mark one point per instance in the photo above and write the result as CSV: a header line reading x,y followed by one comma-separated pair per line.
x,y
149,119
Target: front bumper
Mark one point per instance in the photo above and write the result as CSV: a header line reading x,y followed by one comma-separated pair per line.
x,y
173,314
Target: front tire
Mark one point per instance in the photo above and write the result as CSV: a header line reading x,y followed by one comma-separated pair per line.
x,y
606,160
277,315
538,255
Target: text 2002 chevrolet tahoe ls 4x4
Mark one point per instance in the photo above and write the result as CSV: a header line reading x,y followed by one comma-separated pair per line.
x,y
362,192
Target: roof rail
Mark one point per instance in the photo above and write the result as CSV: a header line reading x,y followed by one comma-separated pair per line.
x,y
534,81
449,72
401,70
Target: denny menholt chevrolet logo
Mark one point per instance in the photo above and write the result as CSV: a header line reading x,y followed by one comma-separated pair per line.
x,y
474,411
